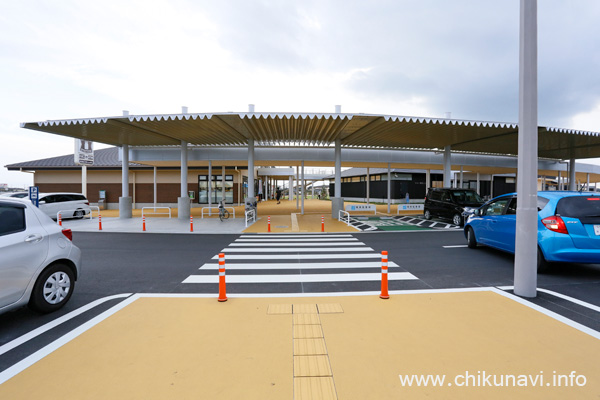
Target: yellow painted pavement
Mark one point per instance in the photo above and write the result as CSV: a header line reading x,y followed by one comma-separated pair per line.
x,y
198,348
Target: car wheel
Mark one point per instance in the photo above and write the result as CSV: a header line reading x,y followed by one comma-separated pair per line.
x,y
79,214
427,214
457,220
542,264
52,289
471,241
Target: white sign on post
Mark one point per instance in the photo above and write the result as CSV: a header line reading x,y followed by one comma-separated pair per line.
x,y
84,153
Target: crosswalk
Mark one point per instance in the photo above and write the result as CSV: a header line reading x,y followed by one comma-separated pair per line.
x,y
299,263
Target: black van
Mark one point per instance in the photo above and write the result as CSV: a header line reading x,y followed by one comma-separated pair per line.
x,y
450,203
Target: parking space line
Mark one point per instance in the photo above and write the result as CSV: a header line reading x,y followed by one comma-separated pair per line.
x,y
456,246
562,296
52,324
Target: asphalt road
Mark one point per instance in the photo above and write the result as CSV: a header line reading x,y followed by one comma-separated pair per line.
x,y
116,263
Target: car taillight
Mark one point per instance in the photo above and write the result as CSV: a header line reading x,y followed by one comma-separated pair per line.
x,y
87,203
555,224
68,233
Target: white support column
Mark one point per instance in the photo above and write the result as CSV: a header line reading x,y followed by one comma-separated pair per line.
x,y
183,202
290,188
427,179
125,204
389,189
303,188
587,181
461,177
525,275
337,202
572,176
223,182
84,180
559,181
368,185
209,188
297,187
478,185
251,194
447,166
154,187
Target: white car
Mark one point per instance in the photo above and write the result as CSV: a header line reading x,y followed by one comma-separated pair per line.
x,y
38,264
73,205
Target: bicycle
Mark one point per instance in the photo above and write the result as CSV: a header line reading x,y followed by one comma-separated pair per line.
x,y
223,213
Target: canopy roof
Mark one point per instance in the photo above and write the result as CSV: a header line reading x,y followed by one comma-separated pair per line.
x,y
353,130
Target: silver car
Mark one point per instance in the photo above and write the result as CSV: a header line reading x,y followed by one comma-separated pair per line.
x,y
38,262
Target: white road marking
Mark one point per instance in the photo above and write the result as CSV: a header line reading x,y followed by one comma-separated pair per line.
x,y
393,276
297,256
456,246
288,249
296,265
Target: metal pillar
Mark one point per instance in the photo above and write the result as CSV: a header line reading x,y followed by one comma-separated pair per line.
x,y
389,189
155,184
297,186
447,164
290,189
461,177
427,180
337,202
303,184
572,176
251,194
368,185
478,185
526,231
223,183
84,180
125,205
209,190
183,202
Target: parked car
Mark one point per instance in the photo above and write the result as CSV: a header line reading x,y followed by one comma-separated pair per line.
x,y
451,203
568,226
19,195
72,205
39,263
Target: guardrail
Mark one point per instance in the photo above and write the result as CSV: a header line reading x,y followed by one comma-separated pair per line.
x,y
344,216
409,207
155,208
216,208
361,207
250,215
87,211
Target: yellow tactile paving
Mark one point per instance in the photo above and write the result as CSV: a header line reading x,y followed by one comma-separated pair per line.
x,y
312,366
307,331
306,319
279,309
321,388
305,308
309,347
330,308
190,348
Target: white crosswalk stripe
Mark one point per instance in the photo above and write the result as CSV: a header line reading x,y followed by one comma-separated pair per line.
x,y
308,262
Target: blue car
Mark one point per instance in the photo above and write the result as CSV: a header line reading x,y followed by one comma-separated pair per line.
x,y
568,226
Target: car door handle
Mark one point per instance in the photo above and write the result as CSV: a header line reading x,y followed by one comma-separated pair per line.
x,y
33,238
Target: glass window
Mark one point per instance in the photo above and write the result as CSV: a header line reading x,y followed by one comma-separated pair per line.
x,y
497,207
12,220
579,206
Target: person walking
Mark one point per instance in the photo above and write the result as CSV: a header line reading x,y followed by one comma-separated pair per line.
x,y
278,195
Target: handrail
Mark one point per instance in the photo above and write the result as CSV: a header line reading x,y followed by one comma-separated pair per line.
x,y
154,208
74,210
217,208
252,214
342,214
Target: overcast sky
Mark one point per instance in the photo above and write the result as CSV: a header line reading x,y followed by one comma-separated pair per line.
x,y
63,59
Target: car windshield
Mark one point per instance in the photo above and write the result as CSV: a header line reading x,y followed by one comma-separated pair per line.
x,y
579,207
466,196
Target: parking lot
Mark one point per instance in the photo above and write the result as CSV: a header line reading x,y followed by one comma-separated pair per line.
x,y
426,262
